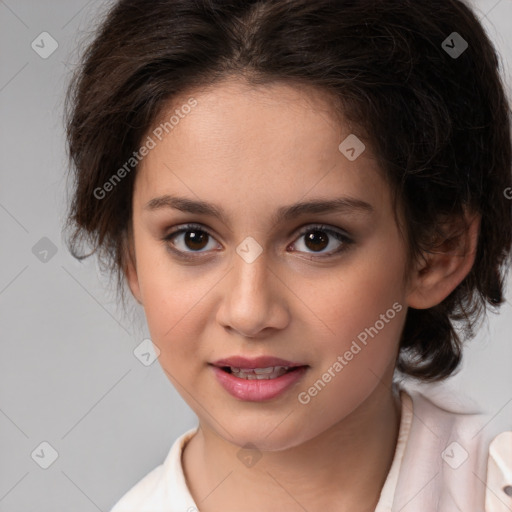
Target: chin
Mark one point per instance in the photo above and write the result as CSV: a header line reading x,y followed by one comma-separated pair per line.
x,y
268,439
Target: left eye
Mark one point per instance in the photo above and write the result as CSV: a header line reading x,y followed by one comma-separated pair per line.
x,y
316,238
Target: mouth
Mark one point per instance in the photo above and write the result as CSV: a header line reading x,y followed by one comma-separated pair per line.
x,y
257,368
258,382
267,373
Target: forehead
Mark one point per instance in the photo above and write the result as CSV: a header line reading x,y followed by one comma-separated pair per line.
x,y
271,144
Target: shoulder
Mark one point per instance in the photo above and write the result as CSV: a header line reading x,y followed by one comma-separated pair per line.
x,y
137,496
455,456
161,487
499,474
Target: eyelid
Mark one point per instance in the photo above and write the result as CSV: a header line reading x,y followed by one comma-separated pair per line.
x,y
181,228
311,226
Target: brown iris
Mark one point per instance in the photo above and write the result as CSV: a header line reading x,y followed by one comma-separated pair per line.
x,y
195,237
315,237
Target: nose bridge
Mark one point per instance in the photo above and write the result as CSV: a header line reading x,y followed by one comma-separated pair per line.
x,y
250,303
250,277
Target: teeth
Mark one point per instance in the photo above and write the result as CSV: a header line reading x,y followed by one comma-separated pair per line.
x,y
263,371
270,372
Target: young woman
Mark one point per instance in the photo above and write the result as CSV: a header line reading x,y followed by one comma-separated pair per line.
x,y
309,200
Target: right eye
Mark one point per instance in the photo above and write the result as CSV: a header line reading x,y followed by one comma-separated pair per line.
x,y
194,239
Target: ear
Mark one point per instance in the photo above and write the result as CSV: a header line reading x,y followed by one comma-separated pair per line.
x,y
130,269
443,268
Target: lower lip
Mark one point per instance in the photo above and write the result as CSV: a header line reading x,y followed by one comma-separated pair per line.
x,y
257,390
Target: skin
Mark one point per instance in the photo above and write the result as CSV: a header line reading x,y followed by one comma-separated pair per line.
x,y
251,151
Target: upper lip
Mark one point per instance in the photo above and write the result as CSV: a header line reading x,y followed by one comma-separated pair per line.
x,y
257,362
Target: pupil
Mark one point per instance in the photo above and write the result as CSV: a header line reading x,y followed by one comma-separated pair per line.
x,y
311,238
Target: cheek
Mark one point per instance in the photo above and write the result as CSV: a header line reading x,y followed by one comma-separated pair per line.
x,y
380,279
361,350
355,295
172,302
173,316
175,327
363,306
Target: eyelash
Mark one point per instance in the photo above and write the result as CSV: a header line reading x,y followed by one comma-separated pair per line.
x,y
341,237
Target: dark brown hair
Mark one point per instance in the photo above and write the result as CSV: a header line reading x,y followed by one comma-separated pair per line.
x,y
438,122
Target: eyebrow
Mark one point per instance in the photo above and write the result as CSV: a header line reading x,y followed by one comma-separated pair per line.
x,y
284,213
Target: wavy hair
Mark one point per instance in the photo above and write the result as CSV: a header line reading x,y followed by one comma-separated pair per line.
x,y
438,123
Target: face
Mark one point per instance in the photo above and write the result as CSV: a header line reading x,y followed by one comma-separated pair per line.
x,y
321,288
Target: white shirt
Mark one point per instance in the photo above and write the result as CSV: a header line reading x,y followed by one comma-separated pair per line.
x,y
444,461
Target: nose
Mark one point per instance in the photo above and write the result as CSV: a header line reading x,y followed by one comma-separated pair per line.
x,y
254,301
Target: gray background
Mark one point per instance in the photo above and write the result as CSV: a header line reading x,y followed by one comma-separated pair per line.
x,y
69,375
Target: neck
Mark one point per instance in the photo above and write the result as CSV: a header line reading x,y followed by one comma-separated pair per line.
x,y
346,464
